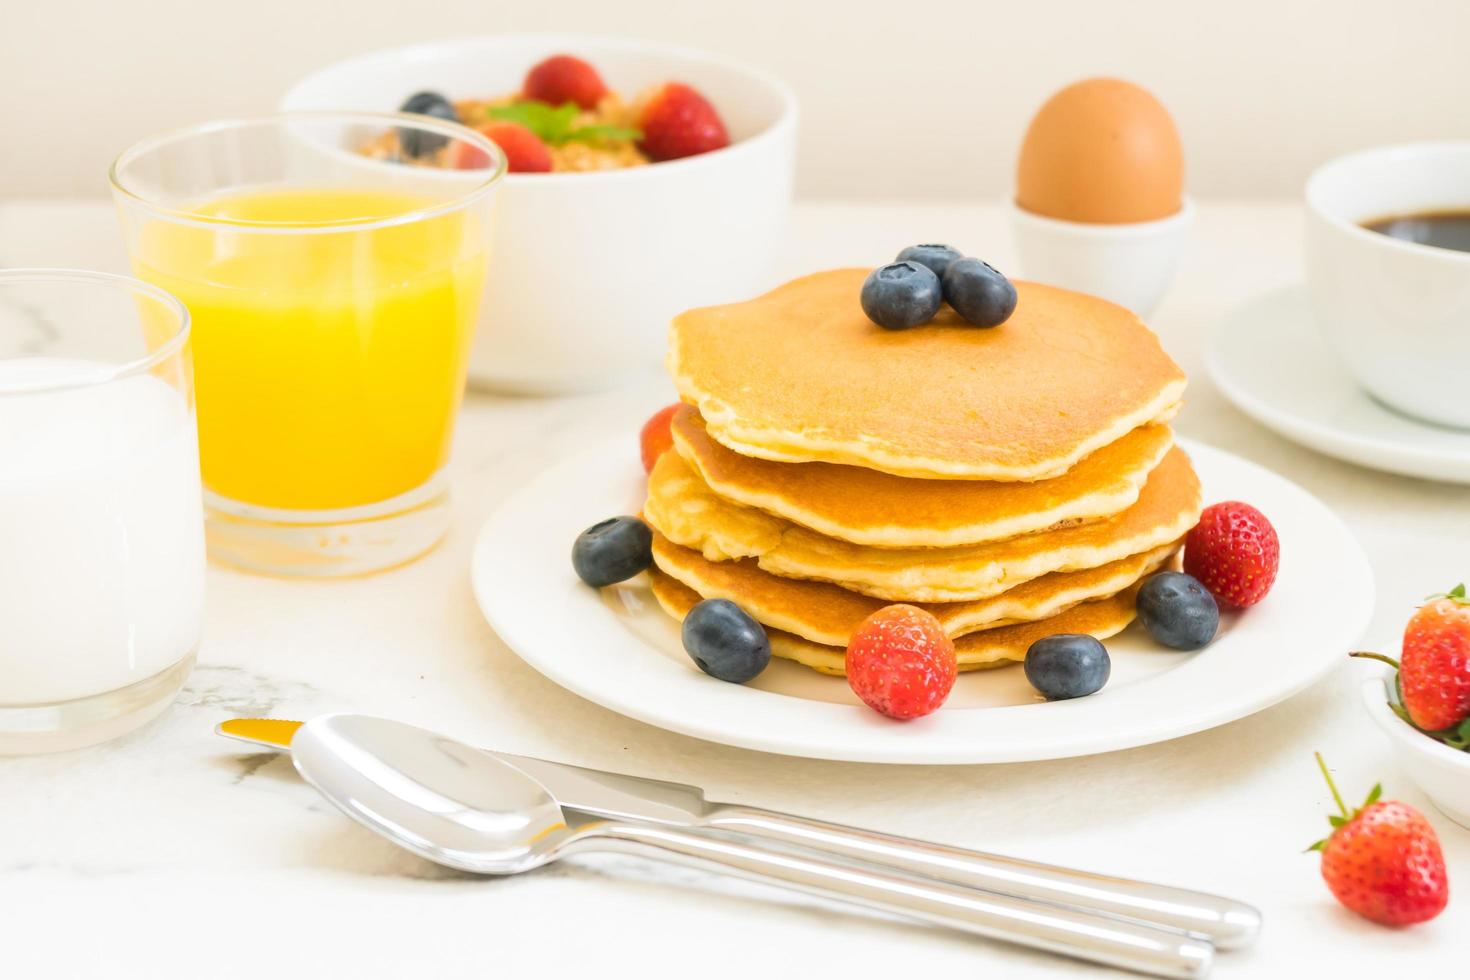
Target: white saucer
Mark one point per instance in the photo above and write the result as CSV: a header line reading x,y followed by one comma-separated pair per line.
x,y
617,648
1268,358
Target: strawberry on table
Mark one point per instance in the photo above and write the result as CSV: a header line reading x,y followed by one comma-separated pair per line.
x,y
901,662
1383,860
563,78
524,151
679,122
1234,552
655,439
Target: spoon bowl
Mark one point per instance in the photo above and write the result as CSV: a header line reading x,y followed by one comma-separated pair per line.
x,y
439,798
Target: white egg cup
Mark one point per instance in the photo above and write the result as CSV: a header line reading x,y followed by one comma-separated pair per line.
x,y
1129,264
1441,772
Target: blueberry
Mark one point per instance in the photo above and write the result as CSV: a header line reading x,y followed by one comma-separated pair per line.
x,y
978,293
935,258
613,550
417,142
725,642
429,104
1067,665
1178,611
901,295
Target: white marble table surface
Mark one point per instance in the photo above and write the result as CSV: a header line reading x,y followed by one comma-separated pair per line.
x,y
173,854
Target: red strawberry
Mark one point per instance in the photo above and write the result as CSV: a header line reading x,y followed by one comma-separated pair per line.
x,y
523,149
561,79
655,439
900,662
1383,860
679,122
463,155
1234,552
1434,669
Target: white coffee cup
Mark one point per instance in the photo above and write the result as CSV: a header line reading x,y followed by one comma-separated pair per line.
x,y
1396,312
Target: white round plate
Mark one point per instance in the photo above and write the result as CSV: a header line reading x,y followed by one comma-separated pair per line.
x,y
616,647
1268,358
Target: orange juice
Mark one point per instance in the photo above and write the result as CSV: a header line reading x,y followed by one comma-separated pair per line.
x,y
329,344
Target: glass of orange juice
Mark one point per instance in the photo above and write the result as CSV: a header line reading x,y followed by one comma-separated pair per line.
x,y
334,297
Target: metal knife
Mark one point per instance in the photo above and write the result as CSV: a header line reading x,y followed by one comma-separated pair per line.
x,y
1226,923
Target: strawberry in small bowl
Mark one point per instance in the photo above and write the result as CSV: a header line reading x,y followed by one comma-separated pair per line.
x,y
1423,705
645,179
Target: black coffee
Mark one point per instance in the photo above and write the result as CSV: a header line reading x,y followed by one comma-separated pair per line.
x,y
1443,229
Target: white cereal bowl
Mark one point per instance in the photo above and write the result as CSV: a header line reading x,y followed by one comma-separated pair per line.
x,y
1441,772
589,267
1130,264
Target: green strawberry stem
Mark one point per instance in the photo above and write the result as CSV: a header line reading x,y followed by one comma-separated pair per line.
x,y
1343,817
1322,764
1369,655
1403,715
1456,595
1395,705
1457,738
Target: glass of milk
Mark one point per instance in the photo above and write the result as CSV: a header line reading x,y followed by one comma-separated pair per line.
x,y
101,525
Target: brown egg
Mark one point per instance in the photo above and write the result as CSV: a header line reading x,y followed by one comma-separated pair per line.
x,y
1101,151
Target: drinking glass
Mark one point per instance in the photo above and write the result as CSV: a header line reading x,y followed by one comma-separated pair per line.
x,y
334,288
101,527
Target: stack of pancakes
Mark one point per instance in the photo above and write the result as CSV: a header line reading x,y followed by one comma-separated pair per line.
x,y
1015,482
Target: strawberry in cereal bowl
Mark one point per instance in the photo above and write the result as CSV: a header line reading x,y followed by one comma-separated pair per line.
x,y
625,157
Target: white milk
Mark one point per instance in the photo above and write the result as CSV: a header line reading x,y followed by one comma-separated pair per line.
x,y
101,532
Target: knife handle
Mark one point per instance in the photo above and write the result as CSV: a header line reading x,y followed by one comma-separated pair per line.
x,y
1113,942
1226,923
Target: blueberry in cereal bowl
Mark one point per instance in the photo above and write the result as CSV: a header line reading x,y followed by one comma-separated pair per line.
x,y
416,143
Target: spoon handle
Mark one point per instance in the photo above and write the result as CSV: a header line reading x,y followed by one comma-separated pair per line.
x,y
1068,932
1226,923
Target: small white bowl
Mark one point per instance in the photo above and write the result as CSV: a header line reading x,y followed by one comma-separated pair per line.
x,y
589,267
1129,264
1441,772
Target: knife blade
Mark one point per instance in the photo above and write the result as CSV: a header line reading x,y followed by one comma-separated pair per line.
x,y
596,793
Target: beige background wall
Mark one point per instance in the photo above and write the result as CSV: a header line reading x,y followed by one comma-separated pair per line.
x,y
901,97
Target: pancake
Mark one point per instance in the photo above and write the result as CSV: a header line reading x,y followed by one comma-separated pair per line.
x,y
828,614
977,651
801,374
884,511
684,509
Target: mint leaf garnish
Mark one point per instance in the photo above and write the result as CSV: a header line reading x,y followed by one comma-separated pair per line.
x,y
551,123
554,124
596,134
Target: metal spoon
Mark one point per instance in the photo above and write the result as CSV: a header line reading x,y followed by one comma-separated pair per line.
x,y
586,794
459,806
